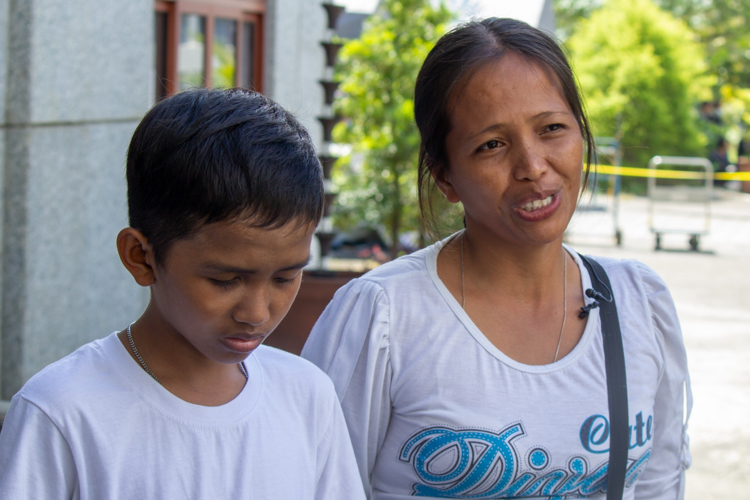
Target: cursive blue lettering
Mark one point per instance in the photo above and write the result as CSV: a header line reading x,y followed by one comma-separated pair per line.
x,y
594,433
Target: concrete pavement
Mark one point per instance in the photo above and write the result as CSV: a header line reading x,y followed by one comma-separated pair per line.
x,y
711,289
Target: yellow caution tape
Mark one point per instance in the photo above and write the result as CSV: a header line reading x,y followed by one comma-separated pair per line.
x,y
669,174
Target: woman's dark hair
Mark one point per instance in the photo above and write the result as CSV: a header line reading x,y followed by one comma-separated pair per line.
x,y
452,62
205,156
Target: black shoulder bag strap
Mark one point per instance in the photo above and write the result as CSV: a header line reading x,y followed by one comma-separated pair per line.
x,y
617,386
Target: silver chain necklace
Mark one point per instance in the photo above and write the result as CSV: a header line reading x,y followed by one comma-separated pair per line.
x,y
565,292
148,370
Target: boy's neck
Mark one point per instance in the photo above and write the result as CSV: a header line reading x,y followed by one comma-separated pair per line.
x,y
179,367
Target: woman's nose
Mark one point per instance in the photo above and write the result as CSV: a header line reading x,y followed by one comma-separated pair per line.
x,y
530,163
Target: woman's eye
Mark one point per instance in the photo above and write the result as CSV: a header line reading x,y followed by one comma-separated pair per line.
x,y
490,145
555,126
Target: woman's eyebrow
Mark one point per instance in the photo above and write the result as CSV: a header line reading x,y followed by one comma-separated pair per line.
x,y
500,126
545,114
494,126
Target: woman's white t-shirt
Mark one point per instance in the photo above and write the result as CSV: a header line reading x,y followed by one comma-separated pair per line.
x,y
436,410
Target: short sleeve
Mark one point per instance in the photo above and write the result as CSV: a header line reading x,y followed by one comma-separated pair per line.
x,y
664,478
350,342
337,473
35,459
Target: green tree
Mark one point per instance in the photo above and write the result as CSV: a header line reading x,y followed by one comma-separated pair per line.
x,y
568,13
722,28
378,72
642,73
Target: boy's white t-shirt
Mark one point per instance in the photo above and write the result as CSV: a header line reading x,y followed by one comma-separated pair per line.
x,y
436,410
95,426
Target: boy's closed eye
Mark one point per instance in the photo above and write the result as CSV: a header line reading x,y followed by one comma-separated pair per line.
x,y
285,280
225,283
236,280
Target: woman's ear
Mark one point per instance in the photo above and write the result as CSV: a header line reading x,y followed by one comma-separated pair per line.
x,y
442,180
136,255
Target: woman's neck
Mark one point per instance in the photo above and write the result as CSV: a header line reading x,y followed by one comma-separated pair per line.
x,y
518,270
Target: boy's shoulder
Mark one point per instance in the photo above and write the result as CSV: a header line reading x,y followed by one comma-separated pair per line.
x,y
290,370
87,370
294,382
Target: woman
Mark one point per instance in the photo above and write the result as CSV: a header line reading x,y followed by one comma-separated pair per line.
x,y
464,370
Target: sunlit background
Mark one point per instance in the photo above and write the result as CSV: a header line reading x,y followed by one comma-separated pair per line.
x,y
660,78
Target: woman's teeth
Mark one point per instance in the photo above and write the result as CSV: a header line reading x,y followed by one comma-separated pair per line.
x,y
536,204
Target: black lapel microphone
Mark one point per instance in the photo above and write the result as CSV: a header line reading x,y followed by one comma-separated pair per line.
x,y
591,293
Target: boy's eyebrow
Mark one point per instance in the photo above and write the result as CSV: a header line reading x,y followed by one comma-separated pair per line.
x,y
298,265
218,266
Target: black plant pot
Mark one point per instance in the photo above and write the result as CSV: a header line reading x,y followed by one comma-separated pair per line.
x,y
325,238
330,89
328,124
329,199
333,11
332,50
327,163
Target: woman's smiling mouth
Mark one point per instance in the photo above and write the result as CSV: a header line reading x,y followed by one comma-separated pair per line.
x,y
537,204
537,210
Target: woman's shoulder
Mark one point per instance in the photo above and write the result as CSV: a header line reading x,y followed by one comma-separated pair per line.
x,y
637,287
404,273
633,274
402,268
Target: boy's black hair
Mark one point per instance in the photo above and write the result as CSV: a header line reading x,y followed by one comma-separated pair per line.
x,y
205,156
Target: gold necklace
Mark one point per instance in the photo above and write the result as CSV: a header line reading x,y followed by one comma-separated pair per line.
x,y
565,292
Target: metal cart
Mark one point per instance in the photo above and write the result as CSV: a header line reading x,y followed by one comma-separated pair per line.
x,y
677,205
609,150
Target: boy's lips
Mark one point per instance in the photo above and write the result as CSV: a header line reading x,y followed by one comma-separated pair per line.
x,y
244,343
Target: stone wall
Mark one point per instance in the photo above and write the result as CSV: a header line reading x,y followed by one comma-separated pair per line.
x,y
75,78
295,60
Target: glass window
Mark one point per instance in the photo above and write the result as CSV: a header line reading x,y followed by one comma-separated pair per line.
x,y
248,56
191,54
224,54
161,55
214,43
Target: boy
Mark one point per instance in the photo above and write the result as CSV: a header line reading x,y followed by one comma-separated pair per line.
x,y
224,193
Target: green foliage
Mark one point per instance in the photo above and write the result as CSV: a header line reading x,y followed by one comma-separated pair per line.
x,y
735,104
378,72
642,73
223,65
568,13
722,28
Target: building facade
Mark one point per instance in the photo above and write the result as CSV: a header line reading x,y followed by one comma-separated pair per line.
x,y
76,77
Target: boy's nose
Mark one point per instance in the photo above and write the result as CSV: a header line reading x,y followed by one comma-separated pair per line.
x,y
253,310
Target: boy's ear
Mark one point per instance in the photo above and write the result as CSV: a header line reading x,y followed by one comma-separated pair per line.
x,y
442,180
136,255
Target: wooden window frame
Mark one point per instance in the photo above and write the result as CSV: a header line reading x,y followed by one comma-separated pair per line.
x,y
241,11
